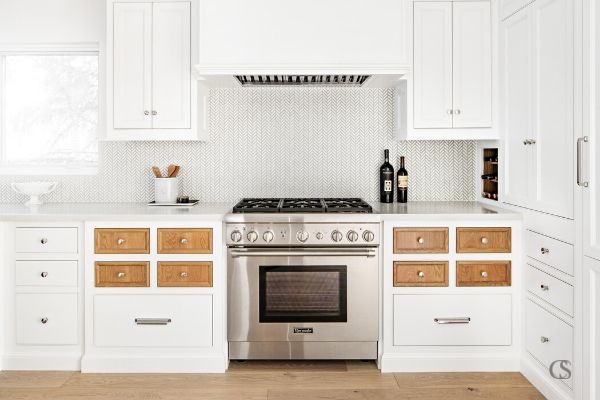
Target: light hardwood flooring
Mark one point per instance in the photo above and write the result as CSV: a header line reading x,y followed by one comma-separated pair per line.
x,y
272,380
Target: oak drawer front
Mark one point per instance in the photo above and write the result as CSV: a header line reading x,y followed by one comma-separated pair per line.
x,y
185,274
122,241
153,320
46,240
548,338
483,240
185,241
46,273
420,273
452,320
123,274
420,240
483,273
550,289
549,251
46,319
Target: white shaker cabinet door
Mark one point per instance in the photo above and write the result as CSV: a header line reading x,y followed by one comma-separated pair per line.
x,y
472,65
432,65
171,74
517,104
591,327
132,63
553,124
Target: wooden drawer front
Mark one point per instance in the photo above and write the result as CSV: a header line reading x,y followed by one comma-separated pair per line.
x,y
420,240
123,274
557,254
483,240
548,338
122,241
452,320
552,290
46,273
185,241
46,319
153,320
191,274
46,240
420,273
483,273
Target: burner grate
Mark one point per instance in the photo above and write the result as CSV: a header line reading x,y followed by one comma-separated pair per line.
x,y
303,205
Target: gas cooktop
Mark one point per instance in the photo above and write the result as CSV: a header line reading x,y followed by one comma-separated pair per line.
x,y
303,205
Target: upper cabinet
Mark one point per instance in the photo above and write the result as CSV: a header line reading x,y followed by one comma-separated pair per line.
x,y
451,87
151,94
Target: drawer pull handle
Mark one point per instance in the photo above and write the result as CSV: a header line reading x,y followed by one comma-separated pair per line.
x,y
545,288
545,250
544,339
484,240
121,275
120,241
152,321
421,274
420,240
183,274
44,274
451,321
183,241
44,241
484,274
44,320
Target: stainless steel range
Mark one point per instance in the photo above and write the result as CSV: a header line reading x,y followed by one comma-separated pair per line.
x,y
303,279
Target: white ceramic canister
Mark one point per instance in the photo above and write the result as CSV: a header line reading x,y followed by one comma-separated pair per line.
x,y
166,190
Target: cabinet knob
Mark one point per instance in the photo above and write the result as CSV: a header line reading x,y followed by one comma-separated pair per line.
x,y
120,241
484,274
457,111
525,142
44,241
484,240
154,112
121,275
183,274
421,274
544,339
450,112
146,112
44,274
44,320
420,240
545,250
183,241
545,288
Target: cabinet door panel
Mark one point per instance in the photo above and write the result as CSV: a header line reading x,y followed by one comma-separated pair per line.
x,y
591,326
432,64
132,63
171,62
472,65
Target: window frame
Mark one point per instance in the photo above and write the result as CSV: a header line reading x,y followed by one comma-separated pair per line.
x,y
73,49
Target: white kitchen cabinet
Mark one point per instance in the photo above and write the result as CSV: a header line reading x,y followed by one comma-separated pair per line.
x,y
591,327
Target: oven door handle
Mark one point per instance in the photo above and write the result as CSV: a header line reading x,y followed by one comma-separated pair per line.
x,y
301,253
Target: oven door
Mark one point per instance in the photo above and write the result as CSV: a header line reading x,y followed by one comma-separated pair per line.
x,y
303,295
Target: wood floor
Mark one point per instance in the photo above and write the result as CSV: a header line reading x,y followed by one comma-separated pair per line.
x,y
269,380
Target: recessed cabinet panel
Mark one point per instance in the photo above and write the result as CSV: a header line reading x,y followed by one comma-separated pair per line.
x,y
420,240
420,273
483,273
46,319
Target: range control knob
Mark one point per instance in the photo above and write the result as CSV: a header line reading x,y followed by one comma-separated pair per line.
x,y
368,236
236,236
302,236
252,236
319,235
268,236
352,236
336,236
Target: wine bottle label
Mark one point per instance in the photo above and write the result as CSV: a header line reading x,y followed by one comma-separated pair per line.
x,y
387,186
403,182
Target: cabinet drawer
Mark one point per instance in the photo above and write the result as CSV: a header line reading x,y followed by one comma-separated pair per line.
x,y
153,320
550,251
420,240
46,319
46,273
483,240
122,241
550,289
483,273
548,338
420,273
185,241
46,240
123,274
180,274
452,320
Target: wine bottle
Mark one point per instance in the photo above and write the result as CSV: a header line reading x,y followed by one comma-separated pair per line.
x,y
386,180
402,180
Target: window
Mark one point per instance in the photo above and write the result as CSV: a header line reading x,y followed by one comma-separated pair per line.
x,y
48,112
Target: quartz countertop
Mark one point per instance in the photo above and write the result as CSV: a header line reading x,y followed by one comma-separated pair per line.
x,y
443,209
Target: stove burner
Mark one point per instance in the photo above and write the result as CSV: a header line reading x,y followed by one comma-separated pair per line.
x,y
303,205
257,205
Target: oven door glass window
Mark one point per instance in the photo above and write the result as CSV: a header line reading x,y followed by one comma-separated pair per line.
x,y
303,293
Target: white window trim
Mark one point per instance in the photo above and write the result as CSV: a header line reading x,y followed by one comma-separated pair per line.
x,y
46,48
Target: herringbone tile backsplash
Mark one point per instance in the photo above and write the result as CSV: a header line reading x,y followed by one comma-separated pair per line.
x,y
278,142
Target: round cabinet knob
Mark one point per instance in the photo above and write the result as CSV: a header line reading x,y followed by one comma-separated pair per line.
x,y
154,112
352,236
268,236
319,235
457,111
252,236
121,275
368,236
120,241
44,274
545,288
420,240
302,236
544,339
146,112
545,250
44,320
484,274
421,274
484,240
236,236
44,241
337,236
183,274
183,241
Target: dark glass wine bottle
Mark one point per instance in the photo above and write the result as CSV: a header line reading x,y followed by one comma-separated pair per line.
x,y
402,181
386,180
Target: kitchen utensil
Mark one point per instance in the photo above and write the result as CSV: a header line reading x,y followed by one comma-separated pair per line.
x,y
34,190
170,170
166,190
157,172
176,172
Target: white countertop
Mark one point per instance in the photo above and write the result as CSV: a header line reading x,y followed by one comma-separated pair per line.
x,y
443,209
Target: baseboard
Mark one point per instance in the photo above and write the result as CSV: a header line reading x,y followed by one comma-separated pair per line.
x,y
550,389
153,364
42,362
394,362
